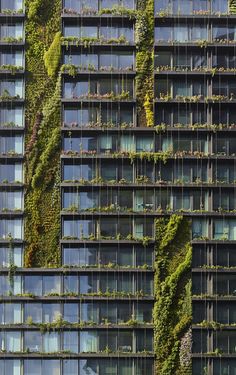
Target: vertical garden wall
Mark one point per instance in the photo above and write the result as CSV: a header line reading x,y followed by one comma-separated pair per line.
x,y
172,312
145,62
42,164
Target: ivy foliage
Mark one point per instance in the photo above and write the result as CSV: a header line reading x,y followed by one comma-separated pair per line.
x,y
232,6
144,61
43,120
53,56
172,287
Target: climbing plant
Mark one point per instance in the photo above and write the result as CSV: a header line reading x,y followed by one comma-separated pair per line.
x,y
42,165
232,6
172,288
144,61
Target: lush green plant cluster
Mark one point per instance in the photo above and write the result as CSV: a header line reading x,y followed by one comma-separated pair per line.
x,y
172,289
232,6
43,120
144,62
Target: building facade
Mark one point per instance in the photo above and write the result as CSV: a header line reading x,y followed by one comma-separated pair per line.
x,y
117,187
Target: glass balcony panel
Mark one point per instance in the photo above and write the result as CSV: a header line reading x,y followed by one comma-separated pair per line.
x,y
70,367
80,117
116,32
33,311
51,367
4,257
182,6
126,257
80,256
108,256
108,283
144,341
145,284
199,342
80,6
11,4
88,284
107,143
221,314
80,144
104,4
108,313
51,284
199,312
71,312
88,342
219,6
33,285
107,341
219,32
33,341
89,312
51,312
11,144
199,228
162,5
11,172
13,227
163,34
182,116
12,313
143,312
70,342
145,144
77,172
88,367
125,342
33,367
11,200
13,341
14,30
51,342
11,117
78,228
144,257
162,58
71,284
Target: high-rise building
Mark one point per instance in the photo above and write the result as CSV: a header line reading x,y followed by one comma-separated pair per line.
x,y
117,187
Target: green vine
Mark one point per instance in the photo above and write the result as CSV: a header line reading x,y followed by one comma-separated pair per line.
x,y
53,56
12,266
172,289
42,198
144,62
232,6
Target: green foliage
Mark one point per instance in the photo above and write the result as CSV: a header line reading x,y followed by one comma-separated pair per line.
x,y
232,6
42,164
144,62
53,56
172,289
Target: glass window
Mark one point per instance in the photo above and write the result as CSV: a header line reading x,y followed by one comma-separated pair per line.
x,y
33,367
88,342
33,285
32,341
70,367
51,312
13,341
51,342
13,313
33,311
70,343
51,284
71,312
51,367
